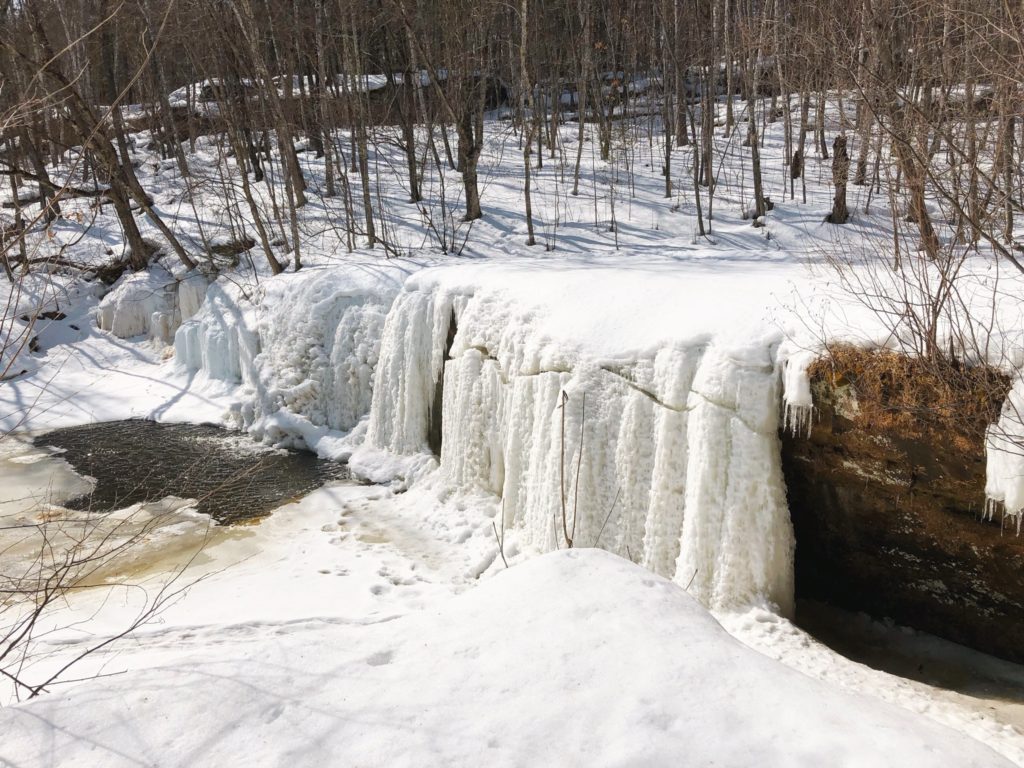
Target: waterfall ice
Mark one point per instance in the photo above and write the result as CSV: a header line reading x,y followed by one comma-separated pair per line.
x,y
1004,449
301,349
221,339
659,441
669,458
152,303
141,303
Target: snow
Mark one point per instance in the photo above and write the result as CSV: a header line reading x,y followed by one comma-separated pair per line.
x,y
981,677
513,672
30,312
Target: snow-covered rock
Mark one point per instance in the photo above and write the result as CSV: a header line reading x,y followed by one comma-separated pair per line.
x,y
542,665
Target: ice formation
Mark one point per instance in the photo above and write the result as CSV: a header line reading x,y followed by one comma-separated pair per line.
x,y
221,339
798,404
191,294
151,303
669,458
141,303
1004,449
680,464
301,348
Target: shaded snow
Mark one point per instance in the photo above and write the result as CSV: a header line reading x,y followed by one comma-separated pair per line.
x,y
514,672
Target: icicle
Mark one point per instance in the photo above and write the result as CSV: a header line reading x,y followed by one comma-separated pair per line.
x,y
798,413
1004,453
798,419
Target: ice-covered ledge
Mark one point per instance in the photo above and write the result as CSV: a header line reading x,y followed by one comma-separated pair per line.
x,y
676,411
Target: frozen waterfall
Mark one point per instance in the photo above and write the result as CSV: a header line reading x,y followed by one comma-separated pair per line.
x,y
679,467
668,457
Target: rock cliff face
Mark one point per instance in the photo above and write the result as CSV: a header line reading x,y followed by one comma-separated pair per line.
x,y
887,501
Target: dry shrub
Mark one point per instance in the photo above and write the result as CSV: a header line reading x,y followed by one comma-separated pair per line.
x,y
913,396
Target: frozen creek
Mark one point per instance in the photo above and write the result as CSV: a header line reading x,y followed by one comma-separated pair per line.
x,y
660,433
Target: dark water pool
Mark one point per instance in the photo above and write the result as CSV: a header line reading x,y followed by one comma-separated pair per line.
x,y
233,478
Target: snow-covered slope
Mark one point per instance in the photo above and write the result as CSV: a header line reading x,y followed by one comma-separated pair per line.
x,y
541,665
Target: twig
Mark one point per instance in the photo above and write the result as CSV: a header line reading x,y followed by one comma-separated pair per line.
x,y
607,517
501,539
690,582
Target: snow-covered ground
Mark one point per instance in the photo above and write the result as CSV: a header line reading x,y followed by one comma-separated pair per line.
x,y
574,658
636,371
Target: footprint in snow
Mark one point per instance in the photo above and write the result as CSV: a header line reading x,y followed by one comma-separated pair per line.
x,y
380,658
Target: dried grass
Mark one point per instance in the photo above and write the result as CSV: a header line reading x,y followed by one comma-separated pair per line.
x,y
915,396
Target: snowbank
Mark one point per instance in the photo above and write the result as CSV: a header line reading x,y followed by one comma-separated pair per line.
x,y
542,665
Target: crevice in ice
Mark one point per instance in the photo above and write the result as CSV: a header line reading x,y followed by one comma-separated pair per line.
x,y
435,435
645,392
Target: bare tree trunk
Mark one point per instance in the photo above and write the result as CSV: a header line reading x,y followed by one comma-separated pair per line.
x,y
840,174
581,94
819,126
529,118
